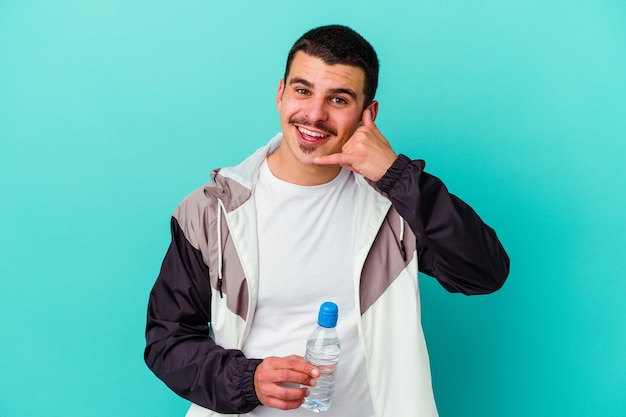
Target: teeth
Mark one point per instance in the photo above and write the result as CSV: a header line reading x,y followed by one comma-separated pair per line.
x,y
310,133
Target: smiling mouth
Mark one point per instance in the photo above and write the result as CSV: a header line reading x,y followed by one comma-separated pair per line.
x,y
312,132
310,135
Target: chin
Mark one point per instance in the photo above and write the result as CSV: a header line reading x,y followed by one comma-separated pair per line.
x,y
308,149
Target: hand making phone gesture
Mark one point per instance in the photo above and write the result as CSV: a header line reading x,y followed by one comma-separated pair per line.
x,y
367,152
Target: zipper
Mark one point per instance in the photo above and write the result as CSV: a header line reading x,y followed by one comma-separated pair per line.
x,y
402,247
220,206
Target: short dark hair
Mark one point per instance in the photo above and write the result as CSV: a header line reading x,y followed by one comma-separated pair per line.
x,y
336,44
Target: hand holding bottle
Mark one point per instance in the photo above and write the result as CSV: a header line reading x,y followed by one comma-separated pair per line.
x,y
274,375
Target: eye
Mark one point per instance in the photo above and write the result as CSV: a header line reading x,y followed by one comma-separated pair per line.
x,y
302,91
338,100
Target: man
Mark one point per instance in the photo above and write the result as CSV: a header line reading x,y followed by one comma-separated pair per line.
x,y
327,211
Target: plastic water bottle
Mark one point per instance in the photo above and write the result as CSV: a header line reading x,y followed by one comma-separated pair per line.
x,y
322,350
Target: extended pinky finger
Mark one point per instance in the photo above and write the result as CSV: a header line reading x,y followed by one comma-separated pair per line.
x,y
334,159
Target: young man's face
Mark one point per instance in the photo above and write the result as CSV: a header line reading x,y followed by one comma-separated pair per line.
x,y
320,107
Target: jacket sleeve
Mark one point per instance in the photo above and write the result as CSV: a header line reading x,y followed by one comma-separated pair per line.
x,y
453,243
179,349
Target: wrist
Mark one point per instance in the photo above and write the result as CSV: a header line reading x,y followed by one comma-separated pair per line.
x,y
393,173
248,389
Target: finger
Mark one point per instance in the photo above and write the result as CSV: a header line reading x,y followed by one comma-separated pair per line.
x,y
281,397
284,393
288,369
334,159
284,403
294,377
297,363
367,118
274,393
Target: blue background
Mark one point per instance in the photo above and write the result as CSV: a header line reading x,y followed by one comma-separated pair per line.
x,y
112,111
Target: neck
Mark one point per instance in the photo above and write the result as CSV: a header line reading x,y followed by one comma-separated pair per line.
x,y
301,174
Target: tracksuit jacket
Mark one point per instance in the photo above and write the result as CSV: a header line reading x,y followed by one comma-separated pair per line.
x,y
203,301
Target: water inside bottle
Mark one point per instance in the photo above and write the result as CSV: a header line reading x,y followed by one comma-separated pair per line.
x,y
325,358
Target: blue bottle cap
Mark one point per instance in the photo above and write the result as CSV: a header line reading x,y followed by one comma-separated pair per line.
x,y
328,314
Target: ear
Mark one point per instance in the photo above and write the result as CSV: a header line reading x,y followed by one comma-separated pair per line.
x,y
279,94
373,109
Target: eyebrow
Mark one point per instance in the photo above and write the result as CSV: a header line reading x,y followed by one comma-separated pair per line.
x,y
306,83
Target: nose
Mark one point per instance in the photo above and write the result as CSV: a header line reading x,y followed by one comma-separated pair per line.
x,y
316,110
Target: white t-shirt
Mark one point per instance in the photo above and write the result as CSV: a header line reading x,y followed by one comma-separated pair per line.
x,y
306,256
